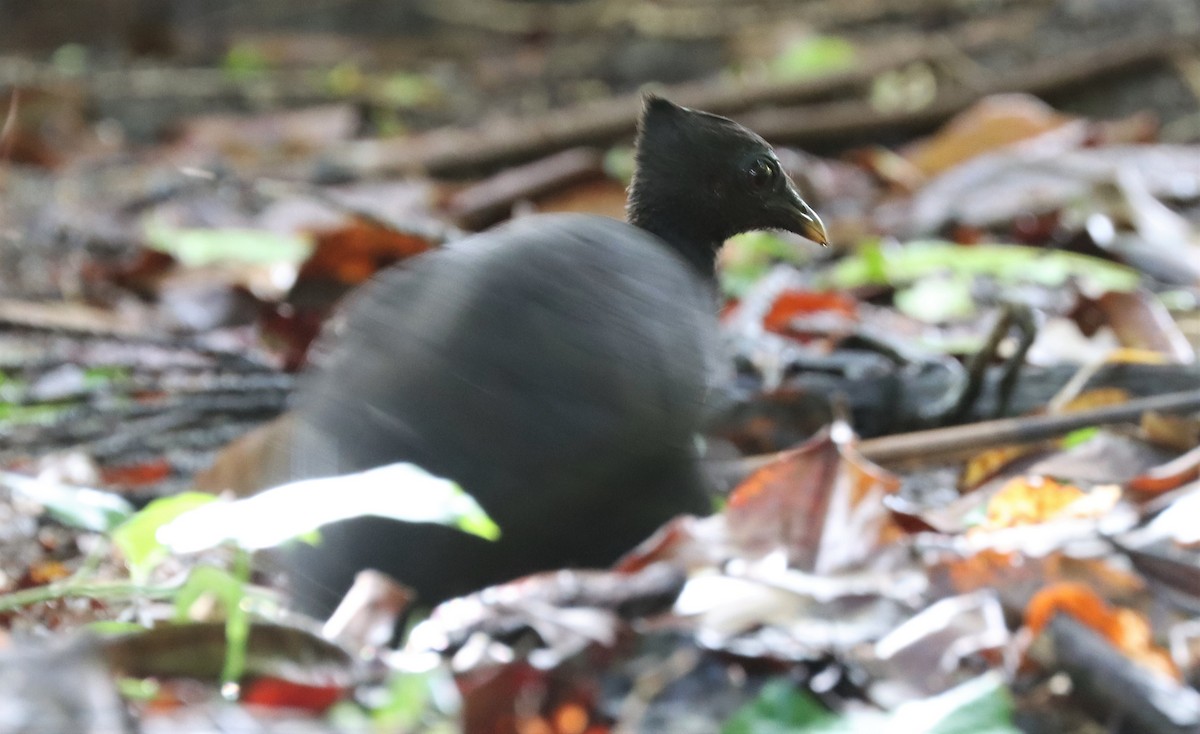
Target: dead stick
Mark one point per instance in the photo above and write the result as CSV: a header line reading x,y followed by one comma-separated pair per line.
x,y
490,200
941,442
974,436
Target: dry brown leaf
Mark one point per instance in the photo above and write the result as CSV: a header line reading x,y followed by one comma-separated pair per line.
x,y
822,502
1179,433
991,123
1142,323
351,254
1168,476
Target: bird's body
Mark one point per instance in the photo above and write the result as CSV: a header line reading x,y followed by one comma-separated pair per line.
x,y
554,367
469,368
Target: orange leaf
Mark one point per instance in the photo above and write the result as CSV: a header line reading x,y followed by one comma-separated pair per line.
x,y
1168,476
284,694
46,572
1028,501
351,254
136,475
1127,630
794,304
570,718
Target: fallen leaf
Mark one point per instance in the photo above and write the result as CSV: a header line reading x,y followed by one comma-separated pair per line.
x,y
1029,500
1140,321
1127,630
821,502
350,254
991,123
1168,476
794,312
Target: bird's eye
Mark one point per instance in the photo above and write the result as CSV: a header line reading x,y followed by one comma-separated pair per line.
x,y
762,173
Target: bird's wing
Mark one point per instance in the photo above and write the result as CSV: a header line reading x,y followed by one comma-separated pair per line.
x,y
529,354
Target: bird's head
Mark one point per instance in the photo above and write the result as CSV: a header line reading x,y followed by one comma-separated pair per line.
x,y
700,178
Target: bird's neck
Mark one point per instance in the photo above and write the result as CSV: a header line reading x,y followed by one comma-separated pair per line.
x,y
691,242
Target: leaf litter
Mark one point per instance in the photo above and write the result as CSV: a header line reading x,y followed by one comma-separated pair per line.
x,y
934,592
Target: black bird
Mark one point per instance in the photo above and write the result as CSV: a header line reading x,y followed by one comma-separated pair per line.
x,y
555,367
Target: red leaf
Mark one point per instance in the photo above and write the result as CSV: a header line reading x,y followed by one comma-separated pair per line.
x,y
279,693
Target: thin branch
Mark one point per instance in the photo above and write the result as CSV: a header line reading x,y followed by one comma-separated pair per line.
x,y
975,436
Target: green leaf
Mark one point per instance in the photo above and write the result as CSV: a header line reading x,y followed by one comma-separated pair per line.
x,y
1079,436
79,507
814,56
407,90
398,491
208,581
781,708
905,264
138,536
344,79
873,260
70,59
97,377
409,697
937,300
106,627
619,164
138,689
979,706
244,62
747,257
229,589
23,415
195,247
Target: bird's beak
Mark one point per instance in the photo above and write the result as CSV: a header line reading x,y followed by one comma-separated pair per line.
x,y
797,216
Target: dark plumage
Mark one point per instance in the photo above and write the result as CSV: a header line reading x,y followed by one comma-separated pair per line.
x,y
555,367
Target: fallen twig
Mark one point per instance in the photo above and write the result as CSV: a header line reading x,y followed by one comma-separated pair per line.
x,y
487,202
944,442
975,436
